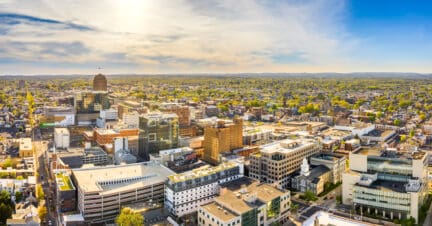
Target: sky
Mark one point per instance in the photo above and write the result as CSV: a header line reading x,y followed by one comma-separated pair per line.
x,y
214,36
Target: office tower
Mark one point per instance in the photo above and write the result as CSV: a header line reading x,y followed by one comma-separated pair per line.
x,y
276,162
100,83
61,138
388,183
89,104
223,137
157,132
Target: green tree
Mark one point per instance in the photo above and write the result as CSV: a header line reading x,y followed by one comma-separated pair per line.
x,y
18,196
128,217
403,138
5,213
397,122
411,133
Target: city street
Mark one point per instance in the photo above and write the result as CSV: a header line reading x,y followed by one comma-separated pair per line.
x,y
41,148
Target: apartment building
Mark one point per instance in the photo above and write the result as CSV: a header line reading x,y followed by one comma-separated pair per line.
x,y
223,137
276,162
185,192
387,182
246,202
102,191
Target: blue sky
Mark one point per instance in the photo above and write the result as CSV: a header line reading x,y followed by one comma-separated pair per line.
x,y
214,36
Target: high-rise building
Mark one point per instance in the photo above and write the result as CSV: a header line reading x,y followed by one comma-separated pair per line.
x,y
276,162
387,182
21,84
100,83
223,137
157,132
89,104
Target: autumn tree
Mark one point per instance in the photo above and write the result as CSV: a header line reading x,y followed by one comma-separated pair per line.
x,y
128,217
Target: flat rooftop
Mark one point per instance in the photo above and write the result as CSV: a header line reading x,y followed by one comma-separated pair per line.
x,y
61,130
64,182
287,145
222,213
235,194
329,157
390,153
383,185
25,144
113,179
201,172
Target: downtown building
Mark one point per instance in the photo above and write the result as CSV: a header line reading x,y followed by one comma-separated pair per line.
x,y
157,132
387,183
276,162
186,192
221,138
89,104
246,202
102,191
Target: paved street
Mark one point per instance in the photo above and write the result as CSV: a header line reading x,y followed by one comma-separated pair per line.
x,y
41,148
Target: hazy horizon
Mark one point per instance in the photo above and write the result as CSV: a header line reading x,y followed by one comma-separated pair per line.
x,y
193,37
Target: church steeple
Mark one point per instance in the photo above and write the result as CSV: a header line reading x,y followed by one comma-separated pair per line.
x,y
305,168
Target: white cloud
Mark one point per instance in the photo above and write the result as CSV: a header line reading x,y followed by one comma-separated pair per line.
x,y
187,36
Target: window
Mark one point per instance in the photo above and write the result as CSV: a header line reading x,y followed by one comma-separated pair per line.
x,y
152,137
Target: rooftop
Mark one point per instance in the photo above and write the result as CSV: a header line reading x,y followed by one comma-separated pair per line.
x,y
384,185
325,218
328,156
201,172
245,194
111,179
25,144
64,182
61,130
287,145
390,153
221,213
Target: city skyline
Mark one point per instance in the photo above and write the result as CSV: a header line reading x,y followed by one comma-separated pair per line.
x,y
77,37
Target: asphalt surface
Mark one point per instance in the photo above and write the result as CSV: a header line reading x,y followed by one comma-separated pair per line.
x,y
41,148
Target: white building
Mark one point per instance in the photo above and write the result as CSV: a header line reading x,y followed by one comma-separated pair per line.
x,y
61,138
109,114
185,192
389,183
102,191
131,119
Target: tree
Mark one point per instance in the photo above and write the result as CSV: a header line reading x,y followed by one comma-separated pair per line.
x,y
397,122
6,206
42,212
5,213
39,192
403,138
128,217
31,103
18,196
412,133
7,163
